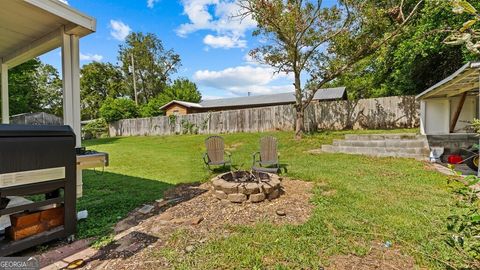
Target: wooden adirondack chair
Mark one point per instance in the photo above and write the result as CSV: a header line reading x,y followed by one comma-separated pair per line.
x,y
267,159
216,153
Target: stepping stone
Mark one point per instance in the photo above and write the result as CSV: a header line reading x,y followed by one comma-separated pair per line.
x,y
146,209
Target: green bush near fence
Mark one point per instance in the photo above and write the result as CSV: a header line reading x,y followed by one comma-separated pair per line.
x,y
95,129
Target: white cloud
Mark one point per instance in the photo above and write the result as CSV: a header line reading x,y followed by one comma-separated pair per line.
x,y
218,16
243,79
91,57
224,42
64,1
119,30
151,3
210,97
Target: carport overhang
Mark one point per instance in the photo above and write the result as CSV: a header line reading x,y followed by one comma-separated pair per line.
x,y
30,28
463,83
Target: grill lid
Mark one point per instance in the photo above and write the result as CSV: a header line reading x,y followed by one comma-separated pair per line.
x,y
35,131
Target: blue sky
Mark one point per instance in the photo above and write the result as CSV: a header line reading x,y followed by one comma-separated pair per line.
x,y
213,46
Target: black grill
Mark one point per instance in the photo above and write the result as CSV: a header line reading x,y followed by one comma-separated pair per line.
x,y
38,160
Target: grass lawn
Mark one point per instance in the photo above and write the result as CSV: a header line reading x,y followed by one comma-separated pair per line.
x,y
376,199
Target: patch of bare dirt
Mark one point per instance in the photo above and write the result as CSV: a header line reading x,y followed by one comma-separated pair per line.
x,y
294,201
379,257
193,211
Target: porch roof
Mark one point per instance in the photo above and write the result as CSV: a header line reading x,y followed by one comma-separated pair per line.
x,y
466,79
30,28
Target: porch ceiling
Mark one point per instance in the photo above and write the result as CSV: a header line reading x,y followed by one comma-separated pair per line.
x,y
29,28
466,79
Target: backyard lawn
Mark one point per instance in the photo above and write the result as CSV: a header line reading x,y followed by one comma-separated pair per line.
x,y
374,200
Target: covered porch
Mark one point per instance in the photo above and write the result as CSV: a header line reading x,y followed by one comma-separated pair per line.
x,y
447,110
449,106
30,28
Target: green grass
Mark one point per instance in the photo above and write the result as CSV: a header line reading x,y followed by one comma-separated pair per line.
x,y
377,199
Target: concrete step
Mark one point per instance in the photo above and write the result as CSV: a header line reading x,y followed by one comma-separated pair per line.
x,y
408,145
417,153
329,149
398,136
382,143
381,150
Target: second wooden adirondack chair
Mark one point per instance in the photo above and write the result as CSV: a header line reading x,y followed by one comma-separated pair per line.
x,y
267,159
216,154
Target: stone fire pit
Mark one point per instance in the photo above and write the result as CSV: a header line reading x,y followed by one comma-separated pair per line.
x,y
242,186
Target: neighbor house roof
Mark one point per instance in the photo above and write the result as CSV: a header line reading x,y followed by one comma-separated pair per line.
x,y
463,80
32,27
183,103
322,94
282,98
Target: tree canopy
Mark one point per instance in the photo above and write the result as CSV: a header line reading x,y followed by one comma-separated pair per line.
x,y
99,81
34,86
152,64
415,60
469,33
181,89
308,38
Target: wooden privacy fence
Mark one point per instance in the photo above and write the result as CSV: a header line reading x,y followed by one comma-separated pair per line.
x,y
38,118
388,112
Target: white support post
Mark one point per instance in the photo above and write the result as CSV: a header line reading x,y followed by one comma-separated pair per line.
x,y
423,117
67,79
449,114
5,105
71,92
77,128
76,89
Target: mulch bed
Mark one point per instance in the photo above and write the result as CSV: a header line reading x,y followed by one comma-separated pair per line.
x,y
201,216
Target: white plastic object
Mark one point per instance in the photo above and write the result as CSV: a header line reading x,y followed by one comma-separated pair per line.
x,y
436,153
82,214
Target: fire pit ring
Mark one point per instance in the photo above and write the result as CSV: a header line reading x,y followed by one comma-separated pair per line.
x,y
243,186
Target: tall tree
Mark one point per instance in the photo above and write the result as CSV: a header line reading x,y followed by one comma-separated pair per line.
x,y
153,64
23,96
181,89
97,82
35,87
307,37
412,62
49,89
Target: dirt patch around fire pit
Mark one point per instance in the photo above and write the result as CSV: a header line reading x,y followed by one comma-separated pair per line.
x,y
197,218
295,202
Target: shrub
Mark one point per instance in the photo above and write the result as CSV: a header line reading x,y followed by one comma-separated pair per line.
x,y
464,227
152,108
97,128
120,108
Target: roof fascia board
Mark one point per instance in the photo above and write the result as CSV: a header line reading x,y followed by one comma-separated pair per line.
x,y
65,12
172,102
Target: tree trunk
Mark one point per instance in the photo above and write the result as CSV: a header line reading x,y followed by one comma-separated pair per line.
x,y
299,123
